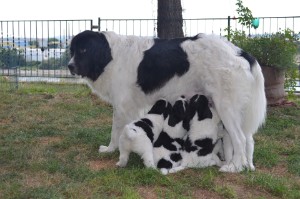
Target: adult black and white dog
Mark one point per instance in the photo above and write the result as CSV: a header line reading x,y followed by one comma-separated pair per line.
x,y
132,72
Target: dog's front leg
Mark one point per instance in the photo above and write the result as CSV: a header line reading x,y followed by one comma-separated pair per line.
x,y
117,127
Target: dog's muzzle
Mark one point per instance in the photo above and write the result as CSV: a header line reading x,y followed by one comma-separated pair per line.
x,y
72,67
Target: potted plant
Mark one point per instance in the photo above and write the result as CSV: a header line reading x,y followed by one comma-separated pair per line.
x,y
275,52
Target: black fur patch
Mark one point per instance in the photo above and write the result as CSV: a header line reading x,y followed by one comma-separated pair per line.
x,y
163,163
199,104
206,145
176,157
180,141
92,54
146,128
161,107
178,113
161,62
147,121
248,57
166,141
188,146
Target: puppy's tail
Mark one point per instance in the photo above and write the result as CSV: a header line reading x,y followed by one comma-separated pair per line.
x,y
131,132
255,113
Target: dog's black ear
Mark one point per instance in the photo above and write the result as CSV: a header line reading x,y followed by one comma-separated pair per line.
x,y
159,107
168,110
178,113
192,107
203,109
186,120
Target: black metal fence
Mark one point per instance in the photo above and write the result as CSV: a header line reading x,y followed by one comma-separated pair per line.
x,y
37,50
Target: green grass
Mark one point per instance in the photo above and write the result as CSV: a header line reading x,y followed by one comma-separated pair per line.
x,y
49,139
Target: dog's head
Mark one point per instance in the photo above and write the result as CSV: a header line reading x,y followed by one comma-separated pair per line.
x,y
179,111
199,106
161,107
90,53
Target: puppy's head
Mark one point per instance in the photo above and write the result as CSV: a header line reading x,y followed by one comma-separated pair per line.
x,y
90,53
199,106
161,107
178,112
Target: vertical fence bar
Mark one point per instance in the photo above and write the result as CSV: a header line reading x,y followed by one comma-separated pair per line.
x,y
228,28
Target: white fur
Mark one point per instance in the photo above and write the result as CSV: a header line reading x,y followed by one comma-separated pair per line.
x,y
215,70
134,139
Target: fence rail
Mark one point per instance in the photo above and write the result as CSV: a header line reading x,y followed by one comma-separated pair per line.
x,y
37,50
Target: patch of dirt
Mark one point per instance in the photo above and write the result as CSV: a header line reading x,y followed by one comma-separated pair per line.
x,y
49,140
97,165
5,121
147,192
284,103
39,179
102,120
202,193
280,170
235,182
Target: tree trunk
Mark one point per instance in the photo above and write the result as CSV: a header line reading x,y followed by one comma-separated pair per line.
x,y
169,19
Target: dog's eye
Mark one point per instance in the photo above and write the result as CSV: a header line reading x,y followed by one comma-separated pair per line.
x,y
82,51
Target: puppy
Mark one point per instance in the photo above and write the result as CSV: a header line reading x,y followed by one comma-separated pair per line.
x,y
202,141
170,141
138,136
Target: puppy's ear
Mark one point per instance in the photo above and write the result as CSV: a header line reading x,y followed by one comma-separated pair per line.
x,y
168,110
192,107
178,113
203,109
159,107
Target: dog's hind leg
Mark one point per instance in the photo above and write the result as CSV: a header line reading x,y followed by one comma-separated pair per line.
x,y
228,148
232,121
249,151
148,159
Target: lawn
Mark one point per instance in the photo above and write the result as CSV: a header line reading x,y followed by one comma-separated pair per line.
x,y
49,139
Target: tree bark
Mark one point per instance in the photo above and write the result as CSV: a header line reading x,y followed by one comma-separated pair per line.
x,y
169,19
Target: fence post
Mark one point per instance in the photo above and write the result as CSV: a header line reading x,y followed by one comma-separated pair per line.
x,y
228,29
99,22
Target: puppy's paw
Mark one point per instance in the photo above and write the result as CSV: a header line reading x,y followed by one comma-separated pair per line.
x,y
164,171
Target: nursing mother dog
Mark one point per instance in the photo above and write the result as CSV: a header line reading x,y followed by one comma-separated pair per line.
x,y
131,73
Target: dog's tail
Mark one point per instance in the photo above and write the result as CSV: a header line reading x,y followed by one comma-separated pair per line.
x,y
255,113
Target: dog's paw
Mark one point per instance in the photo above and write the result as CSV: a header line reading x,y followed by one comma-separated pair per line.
x,y
231,168
164,171
121,164
105,149
251,167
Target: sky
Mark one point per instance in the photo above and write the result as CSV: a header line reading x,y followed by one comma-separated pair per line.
x,y
136,9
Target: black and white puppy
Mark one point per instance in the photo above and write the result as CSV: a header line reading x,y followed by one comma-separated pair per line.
x,y
201,144
138,136
157,137
133,72
167,147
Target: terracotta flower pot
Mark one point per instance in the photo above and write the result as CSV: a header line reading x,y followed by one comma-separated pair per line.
x,y
274,85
